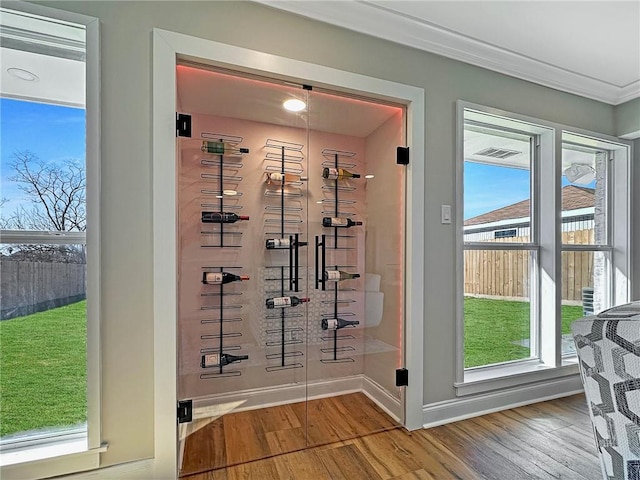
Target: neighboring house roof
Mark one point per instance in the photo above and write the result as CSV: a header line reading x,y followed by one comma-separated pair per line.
x,y
573,198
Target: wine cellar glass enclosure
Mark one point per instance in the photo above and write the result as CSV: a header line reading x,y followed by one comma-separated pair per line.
x,y
291,266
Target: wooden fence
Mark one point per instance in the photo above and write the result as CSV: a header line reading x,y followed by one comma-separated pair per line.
x,y
30,287
505,273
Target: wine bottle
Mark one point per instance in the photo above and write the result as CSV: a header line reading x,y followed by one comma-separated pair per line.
x,y
276,243
337,174
222,217
222,148
336,275
283,178
337,323
339,222
281,302
218,278
216,359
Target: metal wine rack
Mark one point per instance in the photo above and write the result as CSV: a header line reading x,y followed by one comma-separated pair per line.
x,y
215,196
219,178
282,211
221,314
335,159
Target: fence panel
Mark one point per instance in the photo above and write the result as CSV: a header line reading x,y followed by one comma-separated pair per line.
x,y
505,273
29,287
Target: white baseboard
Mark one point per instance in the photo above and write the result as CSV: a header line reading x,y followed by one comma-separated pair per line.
x,y
391,405
280,395
449,411
138,470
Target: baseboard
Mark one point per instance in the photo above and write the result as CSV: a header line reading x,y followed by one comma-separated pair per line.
x,y
457,409
391,405
280,394
138,470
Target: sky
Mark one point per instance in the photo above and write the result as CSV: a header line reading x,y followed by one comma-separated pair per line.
x,y
54,133
488,187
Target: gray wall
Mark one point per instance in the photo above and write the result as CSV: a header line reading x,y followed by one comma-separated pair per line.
x,y
127,282
627,117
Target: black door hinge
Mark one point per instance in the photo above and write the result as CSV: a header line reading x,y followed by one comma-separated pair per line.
x,y
183,125
402,156
402,377
185,411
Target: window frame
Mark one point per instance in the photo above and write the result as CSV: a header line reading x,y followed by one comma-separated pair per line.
x,y
71,451
546,246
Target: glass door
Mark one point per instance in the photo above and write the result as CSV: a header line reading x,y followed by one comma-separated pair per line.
x,y
291,267
242,285
356,220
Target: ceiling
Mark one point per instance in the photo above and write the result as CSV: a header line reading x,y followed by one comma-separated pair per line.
x,y
201,90
589,48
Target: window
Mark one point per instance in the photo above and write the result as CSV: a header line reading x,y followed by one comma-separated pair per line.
x,y
49,328
539,248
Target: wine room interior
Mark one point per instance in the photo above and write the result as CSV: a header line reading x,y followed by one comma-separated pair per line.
x,y
267,373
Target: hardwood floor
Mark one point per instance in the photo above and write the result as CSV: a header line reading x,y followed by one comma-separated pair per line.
x,y
254,434
541,441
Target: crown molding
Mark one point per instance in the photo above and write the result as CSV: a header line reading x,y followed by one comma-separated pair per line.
x,y
382,23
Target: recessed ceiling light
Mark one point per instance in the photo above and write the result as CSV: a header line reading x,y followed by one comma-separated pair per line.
x,y
230,193
371,175
294,105
22,74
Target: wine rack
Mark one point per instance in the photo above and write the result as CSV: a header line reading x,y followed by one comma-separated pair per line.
x,y
217,339
336,159
221,162
283,215
218,197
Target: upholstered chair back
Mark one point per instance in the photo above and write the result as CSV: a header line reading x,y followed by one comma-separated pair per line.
x,y
608,347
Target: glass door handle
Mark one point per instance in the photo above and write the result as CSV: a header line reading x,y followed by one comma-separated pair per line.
x,y
320,255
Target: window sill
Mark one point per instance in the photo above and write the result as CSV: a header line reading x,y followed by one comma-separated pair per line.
x,y
53,459
512,375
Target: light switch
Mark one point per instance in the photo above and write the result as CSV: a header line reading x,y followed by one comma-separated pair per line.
x,y
445,211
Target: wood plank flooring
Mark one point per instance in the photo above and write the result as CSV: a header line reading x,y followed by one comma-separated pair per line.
x,y
254,434
541,441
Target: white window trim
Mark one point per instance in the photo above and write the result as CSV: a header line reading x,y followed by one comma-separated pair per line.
x,y
74,455
551,364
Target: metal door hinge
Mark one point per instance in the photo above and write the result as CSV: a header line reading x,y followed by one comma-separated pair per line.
x,y
183,125
185,411
402,377
402,156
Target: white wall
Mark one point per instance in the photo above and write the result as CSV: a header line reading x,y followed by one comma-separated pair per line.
x,y
127,301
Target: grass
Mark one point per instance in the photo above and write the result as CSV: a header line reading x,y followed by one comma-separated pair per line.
x,y
43,370
43,358
494,328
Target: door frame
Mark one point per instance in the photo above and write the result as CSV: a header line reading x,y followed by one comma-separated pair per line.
x,y
167,47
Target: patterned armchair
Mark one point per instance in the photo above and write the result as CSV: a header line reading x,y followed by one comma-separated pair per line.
x,y
608,348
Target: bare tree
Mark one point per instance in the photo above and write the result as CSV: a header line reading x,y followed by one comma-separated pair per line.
x,y
56,192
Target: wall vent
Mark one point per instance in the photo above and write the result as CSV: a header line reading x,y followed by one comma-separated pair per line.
x,y
494,152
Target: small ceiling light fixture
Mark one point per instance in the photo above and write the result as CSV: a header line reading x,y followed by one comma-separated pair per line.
x,y
580,174
230,193
294,105
370,175
22,74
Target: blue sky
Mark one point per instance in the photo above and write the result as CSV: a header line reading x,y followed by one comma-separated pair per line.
x,y
487,187
54,133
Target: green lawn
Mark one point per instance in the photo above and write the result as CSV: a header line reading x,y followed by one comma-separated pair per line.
x,y
493,328
43,373
43,358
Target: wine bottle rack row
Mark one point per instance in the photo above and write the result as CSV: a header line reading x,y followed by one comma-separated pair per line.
x,y
284,181
284,169
335,164
214,357
222,152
